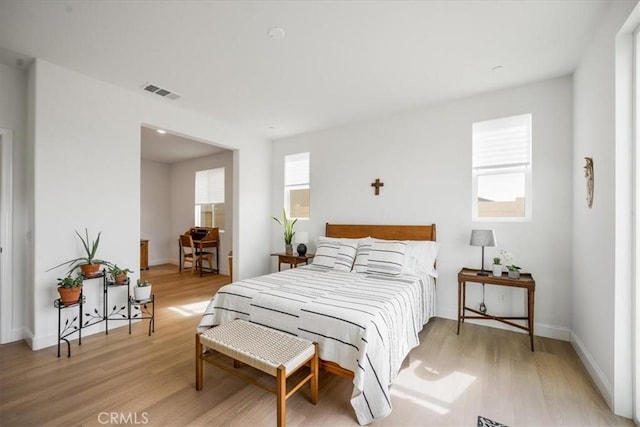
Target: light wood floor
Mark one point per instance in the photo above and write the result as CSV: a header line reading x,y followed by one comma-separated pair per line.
x,y
140,380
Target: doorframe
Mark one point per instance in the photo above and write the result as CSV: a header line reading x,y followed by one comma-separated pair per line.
x,y
6,236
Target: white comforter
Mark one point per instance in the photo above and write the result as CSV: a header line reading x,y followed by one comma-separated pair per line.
x,y
364,323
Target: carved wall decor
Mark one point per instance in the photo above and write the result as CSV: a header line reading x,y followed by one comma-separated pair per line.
x,y
588,174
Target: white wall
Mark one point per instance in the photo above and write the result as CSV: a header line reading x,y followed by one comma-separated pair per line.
x,y
424,159
155,210
183,200
13,116
86,139
600,240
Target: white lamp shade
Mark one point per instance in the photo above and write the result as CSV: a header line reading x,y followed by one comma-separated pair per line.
x,y
302,237
482,238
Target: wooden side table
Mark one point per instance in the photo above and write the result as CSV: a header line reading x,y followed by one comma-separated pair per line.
x,y
293,260
525,281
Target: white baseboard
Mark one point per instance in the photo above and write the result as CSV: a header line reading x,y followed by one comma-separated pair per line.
x,y
44,341
539,329
155,262
223,271
18,334
594,371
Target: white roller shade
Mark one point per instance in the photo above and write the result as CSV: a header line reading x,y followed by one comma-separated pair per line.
x,y
502,142
296,169
210,186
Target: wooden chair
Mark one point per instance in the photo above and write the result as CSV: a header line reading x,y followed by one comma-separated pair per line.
x,y
193,256
189,254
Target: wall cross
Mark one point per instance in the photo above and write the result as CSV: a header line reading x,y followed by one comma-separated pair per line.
x,y
377,183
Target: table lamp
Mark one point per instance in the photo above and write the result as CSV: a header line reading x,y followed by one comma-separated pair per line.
x,y
482,238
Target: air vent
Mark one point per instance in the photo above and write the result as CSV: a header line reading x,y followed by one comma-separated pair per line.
x,y
160,91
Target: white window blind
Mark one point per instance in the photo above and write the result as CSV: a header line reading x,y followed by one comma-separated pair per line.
x,y
504,142
296,169
210,186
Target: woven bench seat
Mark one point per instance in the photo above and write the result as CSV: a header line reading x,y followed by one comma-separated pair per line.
x,y
270,351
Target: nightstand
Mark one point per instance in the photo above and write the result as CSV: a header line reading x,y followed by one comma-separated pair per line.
x,y
293,260
525,282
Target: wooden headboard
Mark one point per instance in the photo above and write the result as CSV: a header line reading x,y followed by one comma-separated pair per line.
x,y
387,232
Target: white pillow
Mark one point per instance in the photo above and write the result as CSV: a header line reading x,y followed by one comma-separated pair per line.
x,y
326,253
420,257
346,255
386,257
335,253
362,255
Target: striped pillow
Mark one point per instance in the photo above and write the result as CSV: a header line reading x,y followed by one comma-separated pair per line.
x,y
335,254
346,255
386,257
362,256
326,253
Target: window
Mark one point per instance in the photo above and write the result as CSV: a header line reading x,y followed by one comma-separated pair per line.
x,y
501,169
296,186
209,210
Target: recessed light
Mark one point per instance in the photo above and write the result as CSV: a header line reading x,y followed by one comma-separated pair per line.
x,y
162,131
276,33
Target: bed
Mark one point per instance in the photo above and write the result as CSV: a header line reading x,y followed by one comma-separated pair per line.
x,y
364,299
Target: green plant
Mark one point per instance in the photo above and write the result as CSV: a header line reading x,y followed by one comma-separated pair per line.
x,y
288,224
513,267
114,270
496,261
142,283
90,248
70,282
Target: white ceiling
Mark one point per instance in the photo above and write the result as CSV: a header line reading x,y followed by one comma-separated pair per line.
x,y
169,148
339,62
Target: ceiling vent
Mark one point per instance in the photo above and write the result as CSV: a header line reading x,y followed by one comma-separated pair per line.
x,y
149,87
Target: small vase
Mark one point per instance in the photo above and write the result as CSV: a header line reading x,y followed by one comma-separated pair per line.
x,y
288,249
514,274
497,270
302,249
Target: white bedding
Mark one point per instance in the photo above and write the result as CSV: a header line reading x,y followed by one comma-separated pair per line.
x,y
365,323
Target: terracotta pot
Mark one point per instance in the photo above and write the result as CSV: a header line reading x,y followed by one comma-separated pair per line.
x,y
90,270
121,279
70,295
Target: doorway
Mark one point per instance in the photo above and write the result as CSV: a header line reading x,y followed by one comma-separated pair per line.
x,y
6,239
169,164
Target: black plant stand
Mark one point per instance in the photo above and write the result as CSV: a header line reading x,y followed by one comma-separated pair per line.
x,y
76,325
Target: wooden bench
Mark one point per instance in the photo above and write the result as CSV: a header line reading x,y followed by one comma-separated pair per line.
x,y
270,351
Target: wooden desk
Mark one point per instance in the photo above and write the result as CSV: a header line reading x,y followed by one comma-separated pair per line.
x,y
201,246
293,260
525,281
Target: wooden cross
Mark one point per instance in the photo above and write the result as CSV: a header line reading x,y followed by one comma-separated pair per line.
x,y
377,184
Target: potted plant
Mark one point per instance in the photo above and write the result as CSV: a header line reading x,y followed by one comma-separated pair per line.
x,y
288,224
118,274
497,267
88,264
69,289
142,290
514,271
